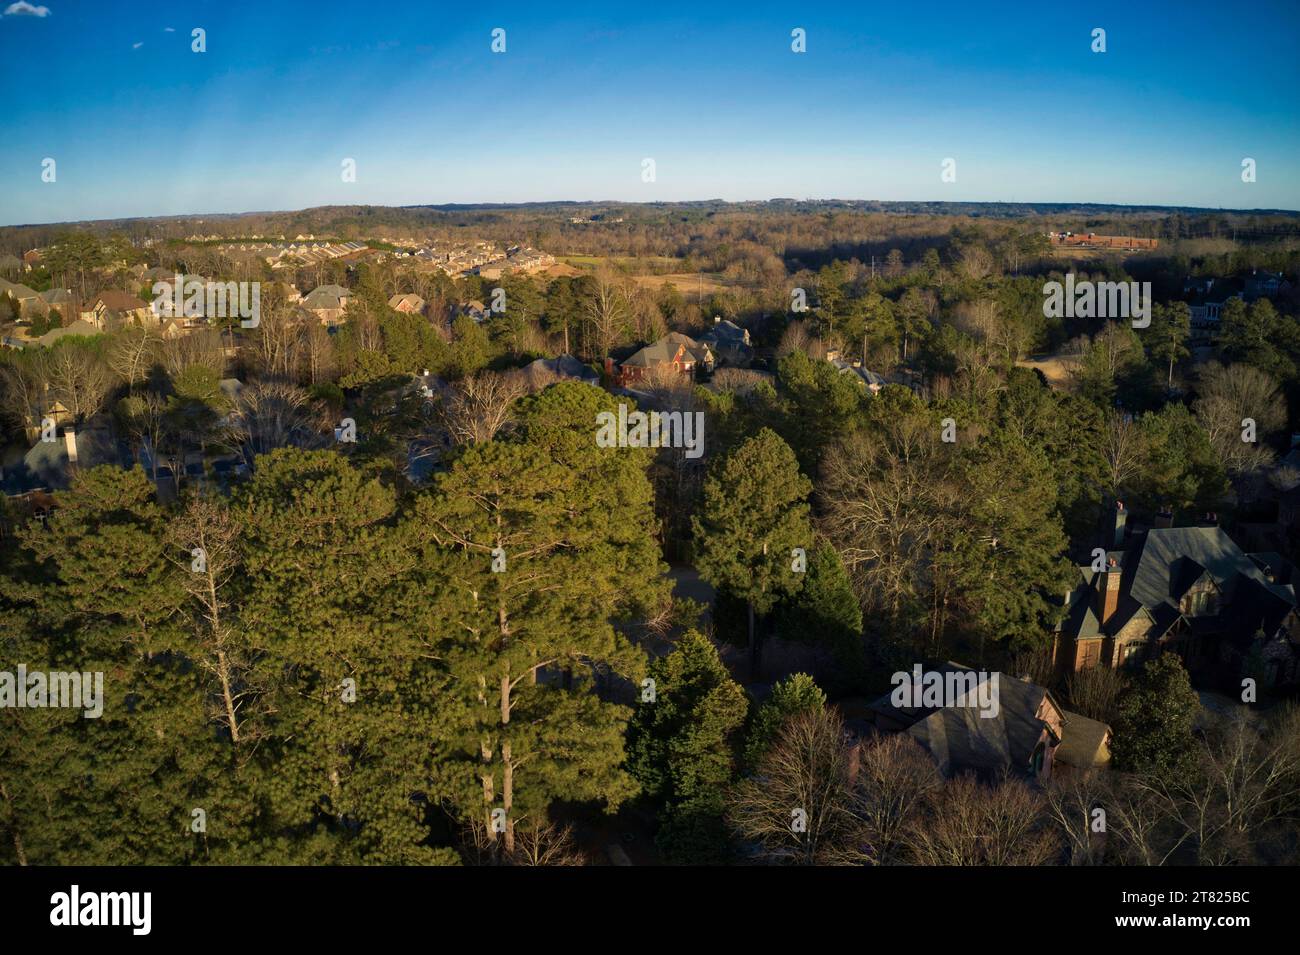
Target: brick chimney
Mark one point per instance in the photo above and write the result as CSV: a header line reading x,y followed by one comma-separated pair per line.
x,y
1108,591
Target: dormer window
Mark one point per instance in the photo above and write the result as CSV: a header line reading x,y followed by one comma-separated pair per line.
x,y
1200,603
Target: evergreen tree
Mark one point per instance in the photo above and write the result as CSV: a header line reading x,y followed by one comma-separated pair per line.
x,y
345,672
797,693
1156,712
681,746
528,548
753,516
824,612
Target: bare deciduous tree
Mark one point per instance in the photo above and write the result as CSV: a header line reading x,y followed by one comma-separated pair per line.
x,y
275,414
535,844
894,778
606,313
1094,691
882,500
79,380
1072,801
1231,395
205,540
478,407
132,352
969,823
1121,449
24,390
799,805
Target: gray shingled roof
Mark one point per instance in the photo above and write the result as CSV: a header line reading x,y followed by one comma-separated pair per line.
x,y
665,348
326,296
564,366
961,740
1165,563
1169,559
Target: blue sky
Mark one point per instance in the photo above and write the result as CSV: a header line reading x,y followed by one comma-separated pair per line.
x,y
885,92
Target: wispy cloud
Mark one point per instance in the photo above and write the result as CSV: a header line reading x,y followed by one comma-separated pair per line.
x,y
169,29
136,46
24,9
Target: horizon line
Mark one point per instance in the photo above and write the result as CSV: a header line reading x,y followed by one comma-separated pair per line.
x,y
658,202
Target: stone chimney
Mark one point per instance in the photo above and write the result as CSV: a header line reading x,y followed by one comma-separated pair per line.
x,y
70,444
1118,525
1108,591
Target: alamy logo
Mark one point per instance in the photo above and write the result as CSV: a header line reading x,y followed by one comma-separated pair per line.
x,y
37,690
935,689
653,429
103,908
1088,299
195,298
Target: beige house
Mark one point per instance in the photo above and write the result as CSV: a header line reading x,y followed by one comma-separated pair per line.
x,y
28,299
114,306
327,303
409,304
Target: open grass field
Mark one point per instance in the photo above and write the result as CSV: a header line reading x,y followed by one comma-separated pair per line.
x,y
649,272
1054,368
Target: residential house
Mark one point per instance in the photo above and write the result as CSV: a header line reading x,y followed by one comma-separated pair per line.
x,y
48,465
1187,590
28,299
729,343
70,330
853,368
474,309
408,304
1264,284
1027,733
675,351
60,299
544,371
113,306
328,303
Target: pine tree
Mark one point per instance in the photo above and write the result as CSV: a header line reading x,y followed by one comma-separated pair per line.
x,y
529,537
753,516
1004,547
681,747
99,597
825,611
343,670
797,693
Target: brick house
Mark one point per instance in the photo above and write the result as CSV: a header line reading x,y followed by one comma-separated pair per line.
x,y
1189,590
679,352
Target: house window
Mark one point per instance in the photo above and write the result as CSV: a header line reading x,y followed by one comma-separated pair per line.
x,y
1036,761
1129,654
1199,603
